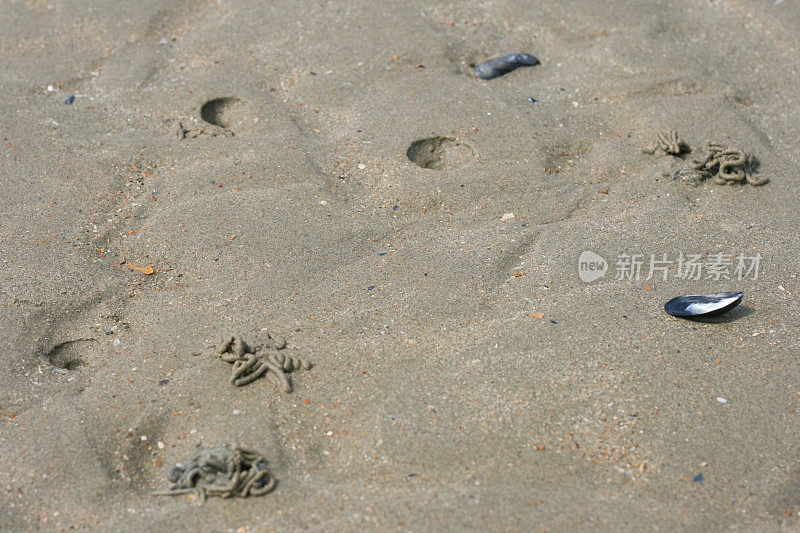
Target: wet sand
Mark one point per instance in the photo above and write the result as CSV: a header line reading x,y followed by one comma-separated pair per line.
x,y
256,156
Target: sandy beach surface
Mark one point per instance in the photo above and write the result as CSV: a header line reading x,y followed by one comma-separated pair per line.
x,y
334,173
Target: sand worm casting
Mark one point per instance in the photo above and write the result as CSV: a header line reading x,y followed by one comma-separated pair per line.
x,y
221,472
732,166
723,165
250,362
667,142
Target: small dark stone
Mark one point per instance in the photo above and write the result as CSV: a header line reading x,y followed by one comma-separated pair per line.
x,y
698,478
553,322
532,100
163,382
498,66
370,287
395,208
109,332
69,99
381,254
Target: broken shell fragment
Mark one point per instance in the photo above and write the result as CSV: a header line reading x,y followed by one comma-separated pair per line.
x,y
703,305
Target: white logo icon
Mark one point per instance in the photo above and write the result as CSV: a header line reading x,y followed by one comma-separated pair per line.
x,y
591,266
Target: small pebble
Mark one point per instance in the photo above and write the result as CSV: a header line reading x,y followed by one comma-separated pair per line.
x,y
698,478
163,382
362,166
498,66
160,445
507,216
143,438
721,400
69,99
532,100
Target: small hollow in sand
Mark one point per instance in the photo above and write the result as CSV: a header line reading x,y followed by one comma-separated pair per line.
x,y
440,153
67,355
223,112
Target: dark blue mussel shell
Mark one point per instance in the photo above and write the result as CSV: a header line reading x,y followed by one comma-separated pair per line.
x,y
703,305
